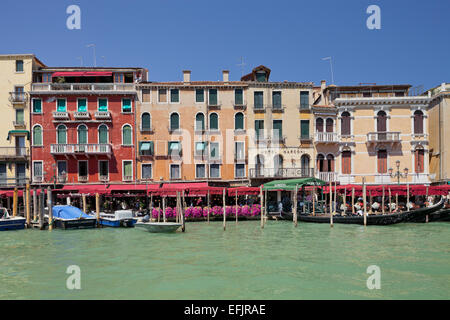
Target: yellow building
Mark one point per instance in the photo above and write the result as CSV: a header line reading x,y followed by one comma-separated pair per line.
x,y
16,72
439,133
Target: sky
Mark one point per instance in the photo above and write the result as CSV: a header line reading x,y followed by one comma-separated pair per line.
x,y
208,36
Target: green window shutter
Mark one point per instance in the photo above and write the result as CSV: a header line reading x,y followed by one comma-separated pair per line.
x,y
239,121
304,100
276,99
261,76
238,97
145,122
152,148
259,99
304,128
126,105
259,127
37,105
174,95
61,105
61,135
213,121
200,122
127,168
82,105
277,128
37,136
174,121
127,136
213,97
103,134
82,135
102,105
199,95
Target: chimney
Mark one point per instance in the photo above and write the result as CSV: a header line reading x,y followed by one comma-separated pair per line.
x,y
323,85
226,76
186,76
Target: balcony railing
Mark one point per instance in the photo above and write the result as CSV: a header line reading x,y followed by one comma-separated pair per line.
x,y
19,181
13,152
326,137
19,124
280,172
240,106
373,137
18,97
127,178
81,115
80,148
277,107
214,104
60,115
327,176
259,108
104,178
83,178
102,115
120,87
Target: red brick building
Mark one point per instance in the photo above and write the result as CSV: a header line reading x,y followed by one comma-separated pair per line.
x,y
83,125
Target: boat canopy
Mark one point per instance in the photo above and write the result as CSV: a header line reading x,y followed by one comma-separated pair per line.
x,y
289,185
68,212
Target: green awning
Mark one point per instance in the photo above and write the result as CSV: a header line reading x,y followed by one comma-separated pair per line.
x,y
289,185
19,132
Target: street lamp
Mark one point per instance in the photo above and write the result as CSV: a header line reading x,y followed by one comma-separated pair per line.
x,y
398,174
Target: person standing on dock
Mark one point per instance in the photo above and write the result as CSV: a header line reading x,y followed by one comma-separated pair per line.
x,y
280,208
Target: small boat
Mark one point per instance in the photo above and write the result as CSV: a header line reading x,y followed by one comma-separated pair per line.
x,y
69,217
120,218
159,227
10,223
439,215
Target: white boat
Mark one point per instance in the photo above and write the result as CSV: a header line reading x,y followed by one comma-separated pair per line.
x,y
8,222
120,218
159,227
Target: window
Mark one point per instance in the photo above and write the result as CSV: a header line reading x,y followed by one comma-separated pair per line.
x,y
118,77
200,148
259,165
277,129
200,122
419,163
319,125
127,170
304,99
418,122
239,151
37,106
145,95
199,95
146,148
82,169
259,129
146,124
200,171
382,161
258,99
213,121
82,134
239,121
276,99
103,134
238,97
61,105
329,125
400,94
213,97
214,170
367,94
381,121
102,105
214,150
20,120
278,164
261,76
126,135
147,171
304,129
3,174
19,65
346,162
37,135
174,95
330,163
345,124
174,121
61,133
126,105
304,162
82,105
62,169
37,171
47,77
162,95
239,170
103,169
174,148
174,171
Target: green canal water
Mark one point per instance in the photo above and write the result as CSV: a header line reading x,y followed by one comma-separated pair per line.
x,y
312,261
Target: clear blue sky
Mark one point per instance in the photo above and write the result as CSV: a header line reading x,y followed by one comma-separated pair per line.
x,y
207,36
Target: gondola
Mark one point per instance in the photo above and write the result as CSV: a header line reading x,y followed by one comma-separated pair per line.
x,y
442,214
372,219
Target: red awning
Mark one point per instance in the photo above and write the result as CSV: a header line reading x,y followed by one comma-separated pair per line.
x,y
82,74
243,191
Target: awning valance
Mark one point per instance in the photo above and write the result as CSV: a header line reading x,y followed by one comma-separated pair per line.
x,y
82,74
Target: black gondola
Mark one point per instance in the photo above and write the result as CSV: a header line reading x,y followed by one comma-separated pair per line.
x,y
440,215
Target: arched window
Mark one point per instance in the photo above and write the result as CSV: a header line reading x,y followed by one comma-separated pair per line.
x,y
418,122
126,135
103,134
418,159
239,121
278,164
319,125
345,124
174,121
321,163
330,163
37,135
346,162
200,122
61,133
304,160
260,165
382,161
329,125
82,134
213,121
146,123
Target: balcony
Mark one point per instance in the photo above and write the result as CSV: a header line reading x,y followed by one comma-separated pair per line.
x,y
240,106
84,87
306,139
277,108
58,115
304,106
146,128
280,173
214,104
383,137
12,153
38,179
84,149
18,97
83,178
104,178
81,115
327,176
127,178
259,108
19,124
19,181
104,115
326,137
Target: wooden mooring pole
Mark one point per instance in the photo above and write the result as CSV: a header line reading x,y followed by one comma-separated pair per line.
x,y
50,210
15,201
382,201
224,211
97,208
208,203
262,203
330,193
236,207
183,216
295,206
364,200
83,198
35,205
41,209
28,209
